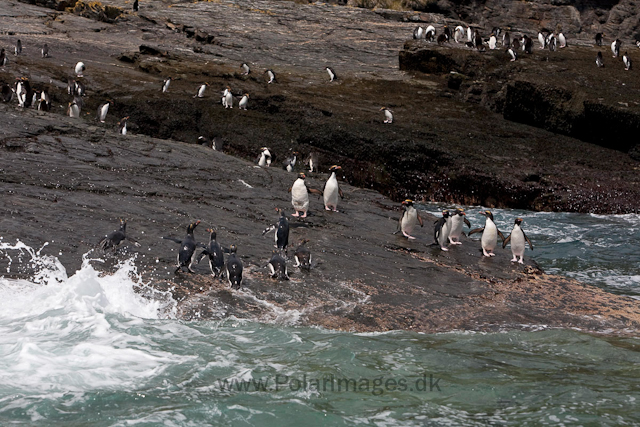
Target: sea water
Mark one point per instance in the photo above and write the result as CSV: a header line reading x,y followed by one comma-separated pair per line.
x,y
106,350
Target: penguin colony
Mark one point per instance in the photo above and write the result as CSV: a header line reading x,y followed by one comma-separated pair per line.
x,y
447,229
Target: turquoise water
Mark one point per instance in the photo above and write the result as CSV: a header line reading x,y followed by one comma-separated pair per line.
x,y
88,350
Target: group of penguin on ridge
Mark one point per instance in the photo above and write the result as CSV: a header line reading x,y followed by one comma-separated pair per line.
x,y
232,269
448,229
27,97
546,39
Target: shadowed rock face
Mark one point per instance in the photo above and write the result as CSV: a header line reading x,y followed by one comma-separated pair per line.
x,y
69,180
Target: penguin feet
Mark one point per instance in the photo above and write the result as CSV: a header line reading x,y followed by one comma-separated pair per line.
x,y
487,254
443,248
520,261
295,214
408,236
514,259
304,215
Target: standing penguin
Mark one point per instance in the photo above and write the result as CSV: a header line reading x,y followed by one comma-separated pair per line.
x,y
122,126
300,196
103,109
73,110
490,234
227,98
243,102
528,44
80,68
135,5
45,51
332,190
24,92
113,239
234,268
44,103
18,49
408,219
388,115
278,267
271,76
332,74
599,39
441,230
517,239
313,161
493,41
458,33
3,58
506,39
245,69
302,255
615,48
165,84
599,61
215,253
512,54
563,40
264,158
187,252
290,162
458,220
627,61
7,93
542,40
281,231
201,89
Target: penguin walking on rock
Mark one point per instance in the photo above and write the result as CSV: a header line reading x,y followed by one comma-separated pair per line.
x,y
24,92
441,229
332,190
135,5
215,254
3,58
615,48
302,255
408,220
388,115
73,110
490,234
271,76
313,161
599,39
599,60
243,102
44,103
512,54
245,69
45,51
264,158
517,239
200,91
458,220
165,84
113,239
627,61
122,126
458,34
79,69
542,40
227,98
562,40
281,231
18,48
332,74
290,162
278,267
103,109
233,268
300,196
187,252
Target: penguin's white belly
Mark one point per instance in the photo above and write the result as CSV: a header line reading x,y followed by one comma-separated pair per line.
x,y
409,220
517,241
489,236
299,196
444,233
331,192
456,226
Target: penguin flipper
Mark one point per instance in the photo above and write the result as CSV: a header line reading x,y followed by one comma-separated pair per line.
x,y
268,229
202,255
466,221
500,234
420,220
527,239
341,195
315,191
506,241
476,230
173,239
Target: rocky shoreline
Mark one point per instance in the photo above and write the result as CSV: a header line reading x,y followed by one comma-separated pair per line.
x,y
68,181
